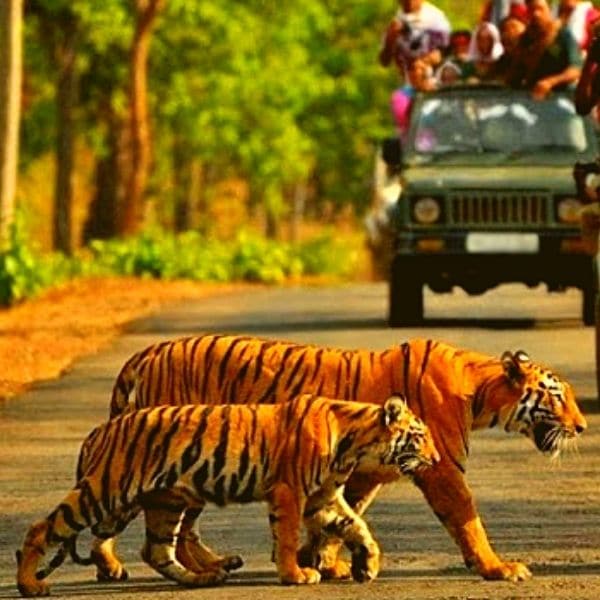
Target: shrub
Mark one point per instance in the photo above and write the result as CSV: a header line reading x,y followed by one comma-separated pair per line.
x,y
186,256
23,273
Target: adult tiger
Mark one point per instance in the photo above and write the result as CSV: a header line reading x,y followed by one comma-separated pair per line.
x,y
296,456
453,390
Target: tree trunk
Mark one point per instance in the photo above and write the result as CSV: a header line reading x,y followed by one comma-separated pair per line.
x,y
103,215
66,98
181,184
11,19
146,12
196,194
299,196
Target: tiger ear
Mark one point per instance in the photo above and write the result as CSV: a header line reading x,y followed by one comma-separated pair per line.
x,y
393,410
512,365
522,356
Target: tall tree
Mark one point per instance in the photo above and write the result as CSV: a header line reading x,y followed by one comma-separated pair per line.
x,y
64,46
146,12
11,18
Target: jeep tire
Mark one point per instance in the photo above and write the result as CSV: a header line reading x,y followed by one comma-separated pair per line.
x,y
590,293
405,294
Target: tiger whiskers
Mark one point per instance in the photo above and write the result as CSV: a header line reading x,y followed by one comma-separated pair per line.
x,y
559,441
411,462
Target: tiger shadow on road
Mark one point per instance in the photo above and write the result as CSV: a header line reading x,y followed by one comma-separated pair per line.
x,y
268,579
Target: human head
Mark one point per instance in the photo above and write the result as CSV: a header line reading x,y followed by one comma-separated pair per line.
x,y
418,73
519,11
566,7
448,74
485,43
540,14
511,30
409,6
459,43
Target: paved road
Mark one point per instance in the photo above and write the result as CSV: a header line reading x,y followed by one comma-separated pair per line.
x,y
545,514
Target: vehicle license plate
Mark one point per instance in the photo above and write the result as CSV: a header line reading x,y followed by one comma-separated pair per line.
x,y
512,243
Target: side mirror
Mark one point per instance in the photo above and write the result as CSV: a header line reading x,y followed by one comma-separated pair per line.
x,y
391,151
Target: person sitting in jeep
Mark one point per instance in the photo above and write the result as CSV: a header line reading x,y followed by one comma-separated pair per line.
x,y
549,57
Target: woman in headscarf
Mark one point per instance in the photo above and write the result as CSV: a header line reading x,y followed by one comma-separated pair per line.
x,y
484,52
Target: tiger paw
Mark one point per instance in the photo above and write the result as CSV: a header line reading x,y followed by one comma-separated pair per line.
x,y
188,556
30,589
340,569
508,571
117,573
301,575
365,563
108,568
208,578
230,562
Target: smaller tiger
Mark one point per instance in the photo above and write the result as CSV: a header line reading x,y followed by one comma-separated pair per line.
x,y
296,456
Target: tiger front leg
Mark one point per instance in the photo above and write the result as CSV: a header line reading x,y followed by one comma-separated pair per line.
x,y
197,556
360,490
284,519
336,518
164,516
63,524
28,559
103,555
448,494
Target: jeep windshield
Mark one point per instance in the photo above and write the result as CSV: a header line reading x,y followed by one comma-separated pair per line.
x,y
497,128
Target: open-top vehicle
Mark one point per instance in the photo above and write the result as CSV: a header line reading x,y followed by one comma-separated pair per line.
x,y
486,196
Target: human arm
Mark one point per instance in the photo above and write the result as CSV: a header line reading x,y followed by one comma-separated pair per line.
x,y
388,48
572,69
544,86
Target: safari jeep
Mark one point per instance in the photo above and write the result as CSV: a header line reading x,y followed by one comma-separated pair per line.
x,y
486,196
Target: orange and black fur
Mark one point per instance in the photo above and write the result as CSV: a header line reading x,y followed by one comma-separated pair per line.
x,y
454,391
296,456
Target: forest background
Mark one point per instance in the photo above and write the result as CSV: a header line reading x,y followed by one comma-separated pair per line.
x,y
197,116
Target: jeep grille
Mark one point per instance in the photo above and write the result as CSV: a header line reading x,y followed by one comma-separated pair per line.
x,y
499,208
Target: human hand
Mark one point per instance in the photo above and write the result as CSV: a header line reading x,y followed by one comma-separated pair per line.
x,y
541,89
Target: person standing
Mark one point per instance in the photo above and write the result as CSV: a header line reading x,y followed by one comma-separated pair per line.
x,y
418,30
577,16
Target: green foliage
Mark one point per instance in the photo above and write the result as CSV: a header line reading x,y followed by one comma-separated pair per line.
x,y
275,93
23,273
328,255
157,255
192,256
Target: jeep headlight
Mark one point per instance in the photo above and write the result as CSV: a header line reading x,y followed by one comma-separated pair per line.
x,y
427,210
567,210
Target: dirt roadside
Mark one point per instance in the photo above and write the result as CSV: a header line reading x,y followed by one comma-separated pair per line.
x,y
40,338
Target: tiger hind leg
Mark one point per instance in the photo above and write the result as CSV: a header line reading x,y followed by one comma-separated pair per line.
x,y
164,517
196,555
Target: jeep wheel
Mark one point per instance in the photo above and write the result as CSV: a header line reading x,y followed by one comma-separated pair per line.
x,y
590,291
406,295
597,344
589,307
